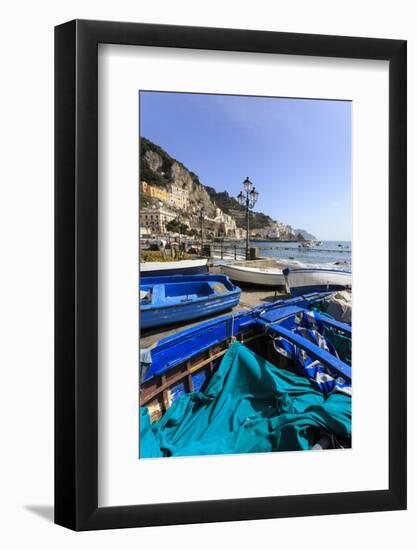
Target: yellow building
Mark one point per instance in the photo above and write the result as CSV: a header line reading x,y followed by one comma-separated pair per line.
x,y
154,191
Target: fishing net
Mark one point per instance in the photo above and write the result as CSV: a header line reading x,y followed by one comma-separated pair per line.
x,y
249,406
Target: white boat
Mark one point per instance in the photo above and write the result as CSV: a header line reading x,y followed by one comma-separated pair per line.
x,y
256,272
180,267
305,280
306,244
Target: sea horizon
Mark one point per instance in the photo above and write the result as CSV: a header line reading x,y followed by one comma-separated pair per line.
x,y
328,254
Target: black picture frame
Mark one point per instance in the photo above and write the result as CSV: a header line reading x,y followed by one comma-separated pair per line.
x,y
76,272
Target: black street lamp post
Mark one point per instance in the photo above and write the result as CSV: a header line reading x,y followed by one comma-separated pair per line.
x,y
248,199
178,222
202,215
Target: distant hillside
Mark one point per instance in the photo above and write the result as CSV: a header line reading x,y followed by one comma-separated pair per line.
x,y
229,205
308,236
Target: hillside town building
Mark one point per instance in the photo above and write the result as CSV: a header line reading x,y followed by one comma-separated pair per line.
x,y
226,224
175,197
155,219
277,230
178,197
154,192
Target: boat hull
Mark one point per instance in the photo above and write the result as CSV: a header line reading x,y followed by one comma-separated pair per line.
x,y
181,267
176,299
188,312
255,276
304,281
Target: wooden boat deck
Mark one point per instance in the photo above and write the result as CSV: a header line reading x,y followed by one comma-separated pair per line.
x,y
156,393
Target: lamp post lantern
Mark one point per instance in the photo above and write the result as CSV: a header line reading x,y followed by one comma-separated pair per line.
x,y
248,199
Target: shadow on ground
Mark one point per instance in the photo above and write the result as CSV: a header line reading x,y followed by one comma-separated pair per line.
x,y
45,512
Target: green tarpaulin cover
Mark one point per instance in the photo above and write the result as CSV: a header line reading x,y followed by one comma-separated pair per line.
x,y
249,406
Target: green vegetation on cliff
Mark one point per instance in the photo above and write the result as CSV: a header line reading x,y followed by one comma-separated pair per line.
x,y
160,175
229,205
154,177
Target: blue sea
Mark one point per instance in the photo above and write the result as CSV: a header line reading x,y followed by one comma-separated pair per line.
x,y
327,254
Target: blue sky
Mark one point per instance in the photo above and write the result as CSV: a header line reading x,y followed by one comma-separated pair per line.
x,y
297,152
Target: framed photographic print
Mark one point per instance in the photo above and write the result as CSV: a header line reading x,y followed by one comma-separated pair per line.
x,y
230,275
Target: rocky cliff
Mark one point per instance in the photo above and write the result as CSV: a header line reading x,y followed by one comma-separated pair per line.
x,y
158,168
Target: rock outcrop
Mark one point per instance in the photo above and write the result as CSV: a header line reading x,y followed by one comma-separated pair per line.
x,y
153,160
197,193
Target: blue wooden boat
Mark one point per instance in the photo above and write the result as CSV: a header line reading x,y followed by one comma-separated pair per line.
x,y
186,361
306,280
178,298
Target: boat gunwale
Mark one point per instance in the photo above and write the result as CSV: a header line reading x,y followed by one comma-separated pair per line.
x,y
253,269
297,270
232,292
216,296
165,266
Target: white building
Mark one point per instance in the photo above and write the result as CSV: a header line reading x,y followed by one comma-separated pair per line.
x,y
276,230
156,218
227,224
240,233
